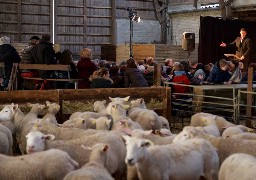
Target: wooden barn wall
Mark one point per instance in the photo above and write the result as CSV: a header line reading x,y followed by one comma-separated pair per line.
x,y
22,19
83,23
70,25
144,9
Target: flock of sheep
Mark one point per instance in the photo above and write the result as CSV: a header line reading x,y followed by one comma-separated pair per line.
x,y
122,140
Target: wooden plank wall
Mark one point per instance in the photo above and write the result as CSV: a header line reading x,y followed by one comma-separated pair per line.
x,y
144,9
21,19
70,31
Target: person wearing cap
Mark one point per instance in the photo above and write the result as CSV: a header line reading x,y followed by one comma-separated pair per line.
x,y
8,55
26,56
243,47
43,53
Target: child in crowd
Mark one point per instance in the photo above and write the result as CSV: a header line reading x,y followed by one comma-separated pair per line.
x,y
219,73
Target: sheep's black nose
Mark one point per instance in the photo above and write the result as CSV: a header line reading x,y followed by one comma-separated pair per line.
x,y
130,160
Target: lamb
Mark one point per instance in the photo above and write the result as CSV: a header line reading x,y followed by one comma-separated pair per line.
x,y
158,140
205,119
6,140
238,166
102,123
209,153
165,123
230,131
33,166
37,141
94,169
116,111
159,162
246,135
76,123
62,133
148,119
225,147
26,124
163,132
53,109
100,107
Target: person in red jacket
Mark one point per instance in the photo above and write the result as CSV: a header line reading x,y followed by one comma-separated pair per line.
x,y
180,77
85,68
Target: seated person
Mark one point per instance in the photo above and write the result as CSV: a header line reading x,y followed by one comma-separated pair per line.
x,y
200,75
235,72
101,79
179,76
219,73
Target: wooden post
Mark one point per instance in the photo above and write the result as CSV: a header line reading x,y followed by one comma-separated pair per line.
x,y
157,74
249,97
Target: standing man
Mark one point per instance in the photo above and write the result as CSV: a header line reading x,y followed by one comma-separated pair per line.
x,y
43,53
243,48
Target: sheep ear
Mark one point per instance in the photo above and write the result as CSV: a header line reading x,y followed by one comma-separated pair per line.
x,y
108,121
146,143
111,99
15,106
104,102
105,148
125,106
127,98
29,104
86,147
42,106
126,138
148,132
48,103
93,121
49,137
158,132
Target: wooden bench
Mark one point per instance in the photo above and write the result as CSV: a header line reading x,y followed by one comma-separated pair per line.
x,y
50,67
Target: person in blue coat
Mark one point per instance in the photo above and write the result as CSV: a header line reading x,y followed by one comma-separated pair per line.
x,y
219,73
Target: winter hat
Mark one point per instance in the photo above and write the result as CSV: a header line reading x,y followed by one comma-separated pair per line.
x,y
199,72
5,40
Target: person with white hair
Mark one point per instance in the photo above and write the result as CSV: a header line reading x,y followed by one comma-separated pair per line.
x,y
8,55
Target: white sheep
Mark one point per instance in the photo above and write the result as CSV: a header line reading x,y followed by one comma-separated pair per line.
x,y
159,162
156,139
148,119
205,119
26,124
163,132
246,135
53,109
102,123
209,153
100,107
94,169
238,166
6,140
37,141
77,123
116,111
225,147
165,123
126,123
51,164
230,131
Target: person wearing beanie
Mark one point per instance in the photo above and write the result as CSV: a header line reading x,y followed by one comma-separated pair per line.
x,y
8,55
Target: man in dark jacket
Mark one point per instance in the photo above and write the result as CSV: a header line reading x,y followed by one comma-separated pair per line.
x,y
243,47
43,53
8,55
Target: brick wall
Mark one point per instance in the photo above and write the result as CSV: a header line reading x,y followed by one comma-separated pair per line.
x,y
188,22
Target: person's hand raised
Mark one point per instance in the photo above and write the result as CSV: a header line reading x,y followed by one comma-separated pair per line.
x,y
223,44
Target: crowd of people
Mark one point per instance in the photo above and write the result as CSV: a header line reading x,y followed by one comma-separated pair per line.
x,y
103,74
